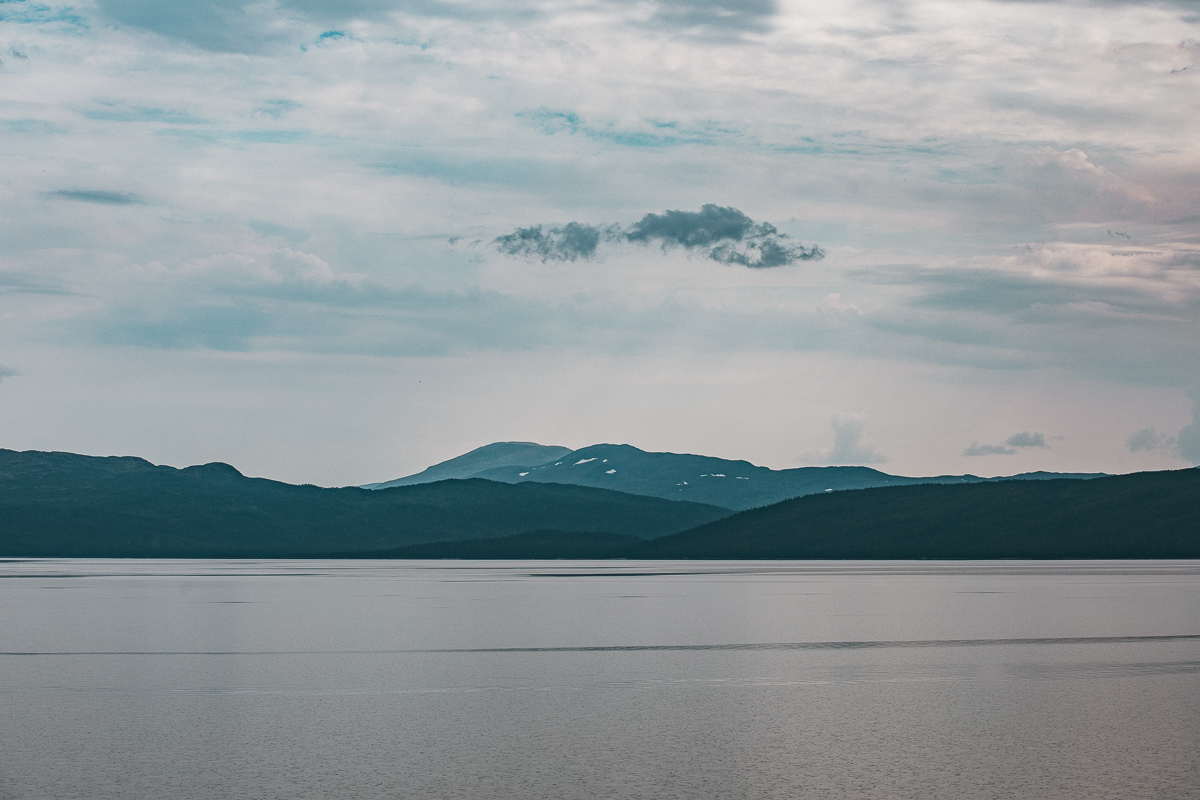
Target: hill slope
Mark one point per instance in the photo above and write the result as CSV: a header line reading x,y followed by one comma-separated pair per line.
x,y
490,456
703,479
61,504
1144,515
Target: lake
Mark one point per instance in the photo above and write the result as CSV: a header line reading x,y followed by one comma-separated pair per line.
x,y
625,679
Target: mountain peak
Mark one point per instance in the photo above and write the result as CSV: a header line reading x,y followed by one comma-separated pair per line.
x,y
490,456
214,469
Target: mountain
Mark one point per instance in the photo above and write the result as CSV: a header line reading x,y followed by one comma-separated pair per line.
x,y
1144,515
61,504
490,456
738,485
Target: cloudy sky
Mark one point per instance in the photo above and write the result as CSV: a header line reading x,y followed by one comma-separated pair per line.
x,y
337,242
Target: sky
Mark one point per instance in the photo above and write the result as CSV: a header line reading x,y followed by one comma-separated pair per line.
x,y
337,242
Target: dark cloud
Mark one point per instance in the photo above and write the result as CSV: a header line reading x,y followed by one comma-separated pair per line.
x,y
728,236
1026,439
723,234
568,243
6,372
708,226
101,198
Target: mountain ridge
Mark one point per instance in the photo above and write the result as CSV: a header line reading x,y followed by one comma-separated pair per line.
x,y
1139,516
469,464
735,484
63,504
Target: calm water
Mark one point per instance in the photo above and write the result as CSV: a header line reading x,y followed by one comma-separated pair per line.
x,y
309,679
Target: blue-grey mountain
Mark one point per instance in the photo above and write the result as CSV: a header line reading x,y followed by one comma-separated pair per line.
x,y
491,456
702,479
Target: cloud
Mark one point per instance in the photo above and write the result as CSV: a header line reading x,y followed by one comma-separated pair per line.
x,y
98,197
6,372
848,445
232,326
1188,440
833,303
429,119
728,236
722,233
18,283
114,111
568,243
1126,312
715,16
708,226
239,26
291,235
217,25
1010,446
1027,439
245,27
977,449
1184,445
1127,279
42,14
1149,440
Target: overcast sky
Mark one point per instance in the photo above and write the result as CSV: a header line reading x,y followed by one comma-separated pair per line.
x,y
337,242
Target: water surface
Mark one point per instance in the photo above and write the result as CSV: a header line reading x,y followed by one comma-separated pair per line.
x,y
315,679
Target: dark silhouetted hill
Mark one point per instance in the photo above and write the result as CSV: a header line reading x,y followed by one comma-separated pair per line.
x,y
61,504
1145,515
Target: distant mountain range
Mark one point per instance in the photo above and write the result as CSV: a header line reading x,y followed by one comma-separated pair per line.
x,y
1144,515
61,504
737,485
